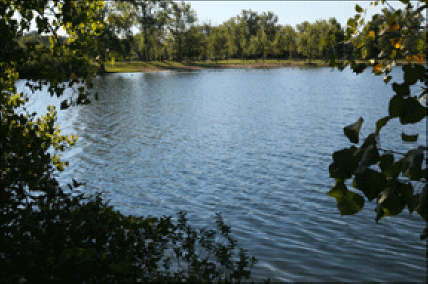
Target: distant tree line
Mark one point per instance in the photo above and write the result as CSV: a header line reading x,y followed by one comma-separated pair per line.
x,y
168,30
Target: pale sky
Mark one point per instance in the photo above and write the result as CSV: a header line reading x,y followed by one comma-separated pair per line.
x,y
288,12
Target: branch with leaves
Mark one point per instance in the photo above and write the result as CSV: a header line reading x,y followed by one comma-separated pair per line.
x,y
395,182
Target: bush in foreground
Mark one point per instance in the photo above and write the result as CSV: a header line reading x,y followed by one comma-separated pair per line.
x,y
77,239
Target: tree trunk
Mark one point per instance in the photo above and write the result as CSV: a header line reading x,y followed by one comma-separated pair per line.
x,y
103,64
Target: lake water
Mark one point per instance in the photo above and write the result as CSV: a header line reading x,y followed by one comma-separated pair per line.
x,y
254,145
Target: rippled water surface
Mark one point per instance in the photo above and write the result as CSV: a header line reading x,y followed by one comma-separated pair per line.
x,y
254,145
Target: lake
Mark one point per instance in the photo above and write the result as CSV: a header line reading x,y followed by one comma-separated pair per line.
x,y
254,145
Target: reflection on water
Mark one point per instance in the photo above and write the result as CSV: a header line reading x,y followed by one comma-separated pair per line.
x,y
255,146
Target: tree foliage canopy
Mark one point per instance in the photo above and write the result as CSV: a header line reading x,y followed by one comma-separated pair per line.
x,y
395,180
168,30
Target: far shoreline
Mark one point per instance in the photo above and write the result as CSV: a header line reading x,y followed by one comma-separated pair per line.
x,y
158,66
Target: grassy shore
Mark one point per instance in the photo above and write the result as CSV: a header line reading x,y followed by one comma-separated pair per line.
x,y
28,72
154,66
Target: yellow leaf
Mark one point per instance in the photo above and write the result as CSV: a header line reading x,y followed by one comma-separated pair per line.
x,y
393,27
371,35
377,68
396,42
419,58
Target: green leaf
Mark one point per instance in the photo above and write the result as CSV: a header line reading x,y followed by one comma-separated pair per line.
x,y
412,111
353,131
409,138
348,202
370,182
386,161
413,73
394,171
386,79
370,157
406,191
412,164
395,106
359,9
413,204
402,90
370,140
381,123
64,105
359,68
351,22
379,214
344,164
390,203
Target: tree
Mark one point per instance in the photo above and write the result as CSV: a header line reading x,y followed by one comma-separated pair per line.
x,y
146,17
268,25
285,41
58,234
116,37
254,46
336,36
193,43
249,25
394,179
250,22
309,40
205,31
217,43
232,43
181,21
121,18
265,44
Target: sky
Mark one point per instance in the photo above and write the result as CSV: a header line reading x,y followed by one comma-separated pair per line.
x,y
288,12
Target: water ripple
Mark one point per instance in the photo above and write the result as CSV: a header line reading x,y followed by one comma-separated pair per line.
x,y
256,147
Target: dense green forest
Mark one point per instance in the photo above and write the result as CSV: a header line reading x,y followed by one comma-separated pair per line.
x,y
168,30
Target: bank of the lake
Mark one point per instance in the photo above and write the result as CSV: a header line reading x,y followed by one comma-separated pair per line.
x,y
156,66
35,71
